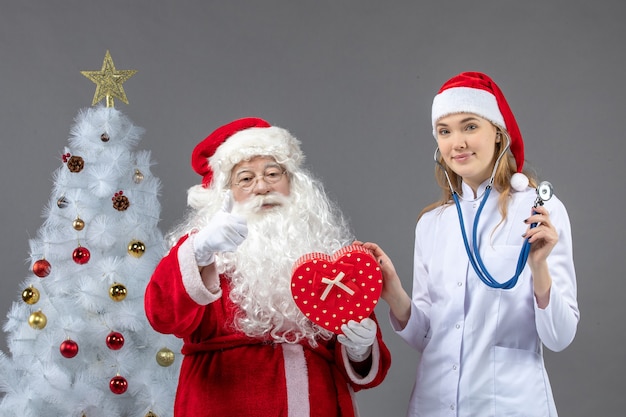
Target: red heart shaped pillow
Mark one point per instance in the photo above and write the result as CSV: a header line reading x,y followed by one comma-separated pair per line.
x,y
331,290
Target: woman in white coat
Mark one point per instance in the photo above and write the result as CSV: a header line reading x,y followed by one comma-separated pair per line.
x,y
484,302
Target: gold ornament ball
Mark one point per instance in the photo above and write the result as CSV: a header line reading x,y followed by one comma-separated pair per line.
x,y
30,295
117,292
165,357
136,248
138,177
37,320
78,224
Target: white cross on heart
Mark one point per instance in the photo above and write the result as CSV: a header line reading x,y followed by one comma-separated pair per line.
x,y
337,282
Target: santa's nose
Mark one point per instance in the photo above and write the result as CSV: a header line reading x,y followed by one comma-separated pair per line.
x,y
261,186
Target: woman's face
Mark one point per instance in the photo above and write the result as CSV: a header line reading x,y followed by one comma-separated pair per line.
x,y
467,144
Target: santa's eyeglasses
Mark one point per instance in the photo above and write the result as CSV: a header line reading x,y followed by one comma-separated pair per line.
x,y
247,180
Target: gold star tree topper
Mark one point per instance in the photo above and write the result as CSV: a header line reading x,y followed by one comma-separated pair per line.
x,y
109,81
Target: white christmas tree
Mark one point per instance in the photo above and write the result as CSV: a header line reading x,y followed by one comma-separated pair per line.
x,y
79,339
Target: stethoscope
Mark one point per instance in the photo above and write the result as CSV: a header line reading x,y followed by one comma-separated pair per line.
x,y
544,193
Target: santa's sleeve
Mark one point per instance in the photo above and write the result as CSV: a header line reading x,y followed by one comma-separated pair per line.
x,y
176,297
372,371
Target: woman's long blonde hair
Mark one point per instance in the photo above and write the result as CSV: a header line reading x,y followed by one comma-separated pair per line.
x,y
501,179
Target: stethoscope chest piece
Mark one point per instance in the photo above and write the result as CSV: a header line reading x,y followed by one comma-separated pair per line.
x,y
544,192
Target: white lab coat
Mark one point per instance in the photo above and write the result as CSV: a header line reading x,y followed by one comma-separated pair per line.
x,y
481,348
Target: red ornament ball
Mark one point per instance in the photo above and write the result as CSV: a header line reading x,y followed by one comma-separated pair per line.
x,y
118,385
81,255
69,348
42,268
115,341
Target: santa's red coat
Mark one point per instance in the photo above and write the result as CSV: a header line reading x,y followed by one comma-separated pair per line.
x,y
226,373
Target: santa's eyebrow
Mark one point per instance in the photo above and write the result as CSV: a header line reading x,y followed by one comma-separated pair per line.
x,y
241,171
266,166
273,165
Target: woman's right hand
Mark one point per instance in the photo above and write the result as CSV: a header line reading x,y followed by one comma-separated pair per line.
x,y
393,293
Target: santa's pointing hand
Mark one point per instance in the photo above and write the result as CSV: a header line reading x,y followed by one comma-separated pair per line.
x,y
224,233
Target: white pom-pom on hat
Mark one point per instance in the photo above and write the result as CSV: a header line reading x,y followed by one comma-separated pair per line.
x,y
519,181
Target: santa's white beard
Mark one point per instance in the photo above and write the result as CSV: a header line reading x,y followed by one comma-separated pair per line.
x,y
260,269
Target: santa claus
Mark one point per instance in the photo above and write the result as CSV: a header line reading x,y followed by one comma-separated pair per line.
x,y
224,286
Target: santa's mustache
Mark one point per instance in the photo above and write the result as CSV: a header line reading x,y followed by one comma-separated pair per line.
x,y
255,204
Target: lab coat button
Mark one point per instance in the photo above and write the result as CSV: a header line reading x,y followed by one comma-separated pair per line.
x,y
460,284
458,326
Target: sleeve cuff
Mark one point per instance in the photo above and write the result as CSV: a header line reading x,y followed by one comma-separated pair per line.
x,y
190,272
352,373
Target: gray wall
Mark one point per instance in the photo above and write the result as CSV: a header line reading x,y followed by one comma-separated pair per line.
x,y
354,81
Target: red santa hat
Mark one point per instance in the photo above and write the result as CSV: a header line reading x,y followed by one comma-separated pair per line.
x,y
239,140
475,92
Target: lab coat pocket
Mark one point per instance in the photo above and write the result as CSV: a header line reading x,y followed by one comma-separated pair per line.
x,y
520,388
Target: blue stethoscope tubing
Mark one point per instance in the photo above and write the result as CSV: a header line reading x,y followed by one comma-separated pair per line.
x,y
472,251
474,255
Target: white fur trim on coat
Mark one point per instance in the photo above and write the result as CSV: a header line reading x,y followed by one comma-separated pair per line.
x,y
192,281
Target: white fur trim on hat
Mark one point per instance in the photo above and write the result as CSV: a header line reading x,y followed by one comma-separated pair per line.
x,y
257,141
466,100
